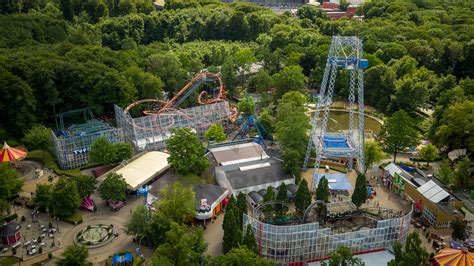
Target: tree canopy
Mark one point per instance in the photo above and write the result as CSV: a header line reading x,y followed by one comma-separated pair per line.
x,y
215,133
113,188
186,152
302,197
64,198
359,196
74,255
411,253
372,154
322,191
177,203
398,133
10,185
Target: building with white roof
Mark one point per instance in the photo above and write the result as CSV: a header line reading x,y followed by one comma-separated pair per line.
x,y
143,168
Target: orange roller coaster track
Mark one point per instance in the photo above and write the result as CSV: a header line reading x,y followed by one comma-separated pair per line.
x,y
186,91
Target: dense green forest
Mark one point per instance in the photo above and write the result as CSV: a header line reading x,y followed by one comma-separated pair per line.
x,y
58,55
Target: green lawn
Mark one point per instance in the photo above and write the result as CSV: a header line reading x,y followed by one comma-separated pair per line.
x,y
50,163
8,261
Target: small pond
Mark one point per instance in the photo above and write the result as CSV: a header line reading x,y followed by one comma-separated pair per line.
x,y
339,120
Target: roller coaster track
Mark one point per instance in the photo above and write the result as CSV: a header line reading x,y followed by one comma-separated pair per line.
x,y
185,92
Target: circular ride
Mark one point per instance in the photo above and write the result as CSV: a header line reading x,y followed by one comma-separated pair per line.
x,y
95,235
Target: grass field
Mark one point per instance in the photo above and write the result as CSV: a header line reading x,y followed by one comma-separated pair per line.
x,y
50,163
8,261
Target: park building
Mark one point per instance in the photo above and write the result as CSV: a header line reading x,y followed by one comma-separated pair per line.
x,y
430,196
143,169
210,201
251,176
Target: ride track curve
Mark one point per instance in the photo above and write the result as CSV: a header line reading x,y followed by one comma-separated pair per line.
x,y
169,108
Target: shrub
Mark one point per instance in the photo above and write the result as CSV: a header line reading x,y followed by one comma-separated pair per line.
x,y
75,219
50,255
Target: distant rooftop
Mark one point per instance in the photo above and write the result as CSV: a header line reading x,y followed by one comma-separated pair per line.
x,y
254,173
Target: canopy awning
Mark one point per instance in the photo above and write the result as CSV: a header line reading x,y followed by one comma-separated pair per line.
x,y
9,154
455,257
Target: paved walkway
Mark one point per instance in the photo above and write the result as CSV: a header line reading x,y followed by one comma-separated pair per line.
x,y
213,236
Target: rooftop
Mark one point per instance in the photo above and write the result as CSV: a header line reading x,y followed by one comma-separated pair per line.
x,y
9,229
238,153
210,192
141,170
254,173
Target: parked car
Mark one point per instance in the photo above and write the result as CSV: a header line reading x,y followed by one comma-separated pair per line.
x,y
116,205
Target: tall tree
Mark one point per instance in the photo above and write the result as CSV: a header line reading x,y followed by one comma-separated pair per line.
x,y
303,197
103,151
249,239
282,196
64,198
123,151
232,231
463,171
412,253
428,153
10,185
74,255
398,133
85,185
291,78
247,106
292,125
268,197
187,153
446,174
39,137
137,225
177,203
372,154
215,133
460,230
343,256
239,256
457,126
42,197
113,188
182,246
360,191
322,191
241,209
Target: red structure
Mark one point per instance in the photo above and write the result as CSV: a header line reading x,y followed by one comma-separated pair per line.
x,y
10,234
185,92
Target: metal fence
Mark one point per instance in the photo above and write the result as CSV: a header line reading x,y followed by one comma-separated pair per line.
x,y
309,242
150,132
73,151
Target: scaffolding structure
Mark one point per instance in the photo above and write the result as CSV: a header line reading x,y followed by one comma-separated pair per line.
x,y
345,53
309,242
72,150
150,132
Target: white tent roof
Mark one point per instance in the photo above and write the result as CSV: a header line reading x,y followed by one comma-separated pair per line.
x,y
433,192
392,169
141,170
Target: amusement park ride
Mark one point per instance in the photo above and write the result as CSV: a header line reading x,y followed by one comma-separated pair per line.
x,y
203,99
345,53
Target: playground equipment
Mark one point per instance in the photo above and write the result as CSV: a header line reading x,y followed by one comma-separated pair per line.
x,y
345,53
190,87
249,122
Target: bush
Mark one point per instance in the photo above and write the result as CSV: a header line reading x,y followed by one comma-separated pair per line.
x,y
50,255
8,218
75,219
